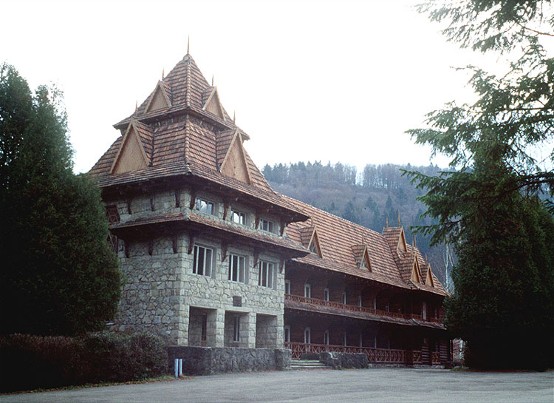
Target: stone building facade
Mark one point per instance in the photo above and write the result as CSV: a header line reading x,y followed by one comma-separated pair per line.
x,y
213,257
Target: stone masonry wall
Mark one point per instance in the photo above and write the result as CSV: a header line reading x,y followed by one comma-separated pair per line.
x,y
209,361
160,287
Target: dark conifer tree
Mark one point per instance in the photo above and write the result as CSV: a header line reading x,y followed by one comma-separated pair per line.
x,y
58,275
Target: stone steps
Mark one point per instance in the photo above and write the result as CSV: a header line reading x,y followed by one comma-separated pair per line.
x,y
307,364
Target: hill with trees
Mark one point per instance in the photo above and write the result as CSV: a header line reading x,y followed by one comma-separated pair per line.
x,y
377,195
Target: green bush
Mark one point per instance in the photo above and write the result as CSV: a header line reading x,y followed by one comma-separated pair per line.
x,y
30,362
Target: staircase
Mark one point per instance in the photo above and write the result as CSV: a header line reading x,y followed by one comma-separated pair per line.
x,y
307,364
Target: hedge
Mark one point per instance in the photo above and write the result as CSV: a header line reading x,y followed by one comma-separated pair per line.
x,y
30,362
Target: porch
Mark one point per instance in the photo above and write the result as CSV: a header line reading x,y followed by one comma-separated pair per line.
x,y
374,355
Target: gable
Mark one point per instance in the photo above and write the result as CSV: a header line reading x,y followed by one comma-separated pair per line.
x,y
402,242
234,164
313,246
159,99
361,255
213,105
429,279
415,275
131,155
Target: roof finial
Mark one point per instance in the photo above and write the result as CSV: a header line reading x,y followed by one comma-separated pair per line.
x,y
387,221
163,73
399,222
188,44
212,80
136,106
234,116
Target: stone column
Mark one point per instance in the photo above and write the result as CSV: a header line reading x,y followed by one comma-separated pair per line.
x,y
218,328
184,326
248,330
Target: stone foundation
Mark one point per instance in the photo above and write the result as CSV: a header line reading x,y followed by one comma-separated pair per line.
x,y
209,361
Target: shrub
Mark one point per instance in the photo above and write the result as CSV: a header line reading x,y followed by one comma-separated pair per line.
x,y
30,362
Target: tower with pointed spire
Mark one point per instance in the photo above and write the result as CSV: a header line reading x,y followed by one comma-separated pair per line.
x,y
213,257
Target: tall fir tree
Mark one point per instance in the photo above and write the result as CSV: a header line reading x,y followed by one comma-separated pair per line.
x,y
58,274
493,206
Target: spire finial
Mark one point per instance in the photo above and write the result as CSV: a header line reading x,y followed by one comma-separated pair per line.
x,y
399,222
234,116
163,73
136,106
188,44
212,80
387,221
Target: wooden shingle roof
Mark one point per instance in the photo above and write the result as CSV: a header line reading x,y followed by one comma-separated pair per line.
x,y
344,243
180,137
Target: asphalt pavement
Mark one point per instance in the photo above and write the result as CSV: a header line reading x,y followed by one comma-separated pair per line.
x,y
321,385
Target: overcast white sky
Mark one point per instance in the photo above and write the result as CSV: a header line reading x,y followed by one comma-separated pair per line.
x,y
336,81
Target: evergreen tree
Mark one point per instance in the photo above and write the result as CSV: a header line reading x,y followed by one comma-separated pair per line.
x,y
58,274
490,207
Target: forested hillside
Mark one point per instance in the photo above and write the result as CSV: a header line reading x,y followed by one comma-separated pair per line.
x,y
373,197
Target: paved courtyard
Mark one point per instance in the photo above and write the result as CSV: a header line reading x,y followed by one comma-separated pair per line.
x,y
379,385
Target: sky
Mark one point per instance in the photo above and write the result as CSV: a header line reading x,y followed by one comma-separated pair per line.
x,y
329,81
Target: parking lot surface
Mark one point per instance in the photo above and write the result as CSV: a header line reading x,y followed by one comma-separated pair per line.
x,y
374,384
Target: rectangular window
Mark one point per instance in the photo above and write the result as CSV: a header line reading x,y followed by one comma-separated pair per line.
x,y
266,225
287,334
307,290
204,206
238,217
287,287
237,268
236,329
203,261
344,298
266,274
326,294
204,334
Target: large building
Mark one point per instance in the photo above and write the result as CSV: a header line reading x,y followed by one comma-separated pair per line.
x,y
212,256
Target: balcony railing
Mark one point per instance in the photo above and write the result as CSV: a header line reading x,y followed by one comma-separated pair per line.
x,y
356,308
374,355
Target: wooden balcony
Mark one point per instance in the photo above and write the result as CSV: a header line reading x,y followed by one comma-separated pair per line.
x,y
292,301
374,355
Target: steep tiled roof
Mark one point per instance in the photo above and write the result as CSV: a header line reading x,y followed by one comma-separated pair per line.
x,y
184,139
405,260
336,237
343,243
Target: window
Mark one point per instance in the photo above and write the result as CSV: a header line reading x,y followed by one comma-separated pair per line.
x,y
203,261
326,294
237,268
359,300
287,287
204,206
113,214
326,337
238,217
204,333
344,298
287,334
266,225
307,290
236,329
344,339
267,273
307,336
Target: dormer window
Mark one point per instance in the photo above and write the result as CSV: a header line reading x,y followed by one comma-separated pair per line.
x,y
267,225
238,217
204,206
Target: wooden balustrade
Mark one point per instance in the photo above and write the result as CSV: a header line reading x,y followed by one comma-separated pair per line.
x,y
374,355
356,308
